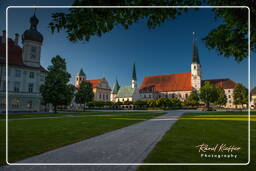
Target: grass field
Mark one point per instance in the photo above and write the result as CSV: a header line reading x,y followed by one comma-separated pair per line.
x,y
29,137
179,144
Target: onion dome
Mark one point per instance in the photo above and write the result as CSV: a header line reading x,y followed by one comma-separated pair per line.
x,y
32,33
81,73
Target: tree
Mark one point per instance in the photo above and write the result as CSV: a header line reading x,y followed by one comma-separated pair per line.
x,y
208,93
55,90
84,93
228,39
240,95
222,98
193,99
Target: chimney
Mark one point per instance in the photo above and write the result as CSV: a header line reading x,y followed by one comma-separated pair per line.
x,y
4,37
16,39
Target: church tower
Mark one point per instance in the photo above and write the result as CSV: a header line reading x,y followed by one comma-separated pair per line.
x,y
80,77
114,91
195,66
32,41
134,77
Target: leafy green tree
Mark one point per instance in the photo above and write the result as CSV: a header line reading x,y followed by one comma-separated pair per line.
x,y
228,39
151,103
208,93
55,90
222,98
84,93
140,103
176,102
240,95
193,99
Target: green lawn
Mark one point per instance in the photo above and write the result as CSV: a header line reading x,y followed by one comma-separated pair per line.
x,y
33,136
179,144
87,113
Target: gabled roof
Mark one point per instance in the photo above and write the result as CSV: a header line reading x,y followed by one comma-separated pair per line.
x,y
125,92
224,83
168,82
95,82
253,91
14,55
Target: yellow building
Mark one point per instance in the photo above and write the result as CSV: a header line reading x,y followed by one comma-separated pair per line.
x,y
101,88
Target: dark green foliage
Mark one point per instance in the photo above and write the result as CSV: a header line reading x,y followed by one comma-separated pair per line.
x,y
55,90
193,99
228,39
208,93
222,98
84,93
240,95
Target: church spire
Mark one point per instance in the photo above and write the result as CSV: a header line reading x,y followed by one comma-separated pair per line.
x,y
195,55
116,88
134,77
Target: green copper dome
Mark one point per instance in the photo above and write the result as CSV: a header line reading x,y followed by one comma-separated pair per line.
x,y
81,73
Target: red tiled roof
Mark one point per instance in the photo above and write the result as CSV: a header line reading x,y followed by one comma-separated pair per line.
x,y
224,83
95,82
168,82
14,55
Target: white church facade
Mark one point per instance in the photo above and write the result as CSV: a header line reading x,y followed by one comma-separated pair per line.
x,y
25,73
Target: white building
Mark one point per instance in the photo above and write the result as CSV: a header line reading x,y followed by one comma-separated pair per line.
x,y
25,73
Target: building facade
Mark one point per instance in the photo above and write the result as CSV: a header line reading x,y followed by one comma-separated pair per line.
x,y
126,93
25,73
101,88
180,85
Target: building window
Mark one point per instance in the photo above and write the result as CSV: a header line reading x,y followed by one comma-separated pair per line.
x,y
145,96
106,97
229,101
15,103
100,96
103,96
16,86
29,105
149,96
31,75
229,96
17,73
30,87
3,103
229,91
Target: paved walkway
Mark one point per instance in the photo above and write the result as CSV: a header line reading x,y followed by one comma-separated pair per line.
x,y
127,145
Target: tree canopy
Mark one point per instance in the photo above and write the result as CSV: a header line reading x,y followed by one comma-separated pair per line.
x,y
56,90
84,93
240,95
229,39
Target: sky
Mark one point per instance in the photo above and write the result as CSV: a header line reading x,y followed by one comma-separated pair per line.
x,y
163,50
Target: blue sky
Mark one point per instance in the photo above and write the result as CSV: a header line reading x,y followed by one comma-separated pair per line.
x,y
166,49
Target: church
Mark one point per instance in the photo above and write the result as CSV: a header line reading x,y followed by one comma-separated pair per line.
x,y
25,73
180,85
101,88
172,85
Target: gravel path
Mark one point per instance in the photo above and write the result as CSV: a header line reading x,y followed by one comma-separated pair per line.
x,y
126,145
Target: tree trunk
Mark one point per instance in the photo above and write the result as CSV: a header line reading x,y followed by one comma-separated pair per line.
x,y
207,105
55,108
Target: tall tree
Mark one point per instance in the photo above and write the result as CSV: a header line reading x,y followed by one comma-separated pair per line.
x,y
240,95
208,93
193,99
55,90
222,98
84,93
228,39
